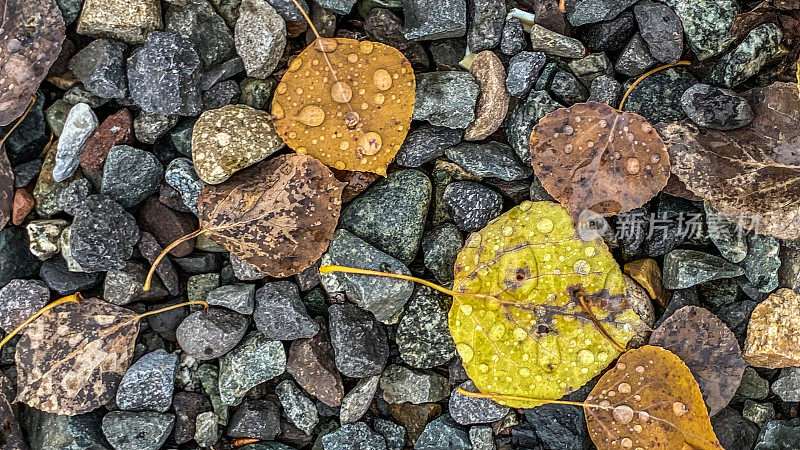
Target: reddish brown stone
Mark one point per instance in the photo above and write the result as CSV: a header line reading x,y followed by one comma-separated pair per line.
x,y
23,204
414,417
311,363
117,129
357,182
167,225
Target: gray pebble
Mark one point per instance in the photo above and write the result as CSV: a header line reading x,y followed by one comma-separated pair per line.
x,y
279,312
523,70
425,144
254,361
131,175
426,20
472,205
101,68
712,107
492,159
446,98
146,430
299,409
78,128
209,335
148,383
19,300
180,174
102,235
260,37
359,341
469,410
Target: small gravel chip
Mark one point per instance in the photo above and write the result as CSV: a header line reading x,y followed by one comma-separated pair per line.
x,y
446,99
254,361
209,335
299,409
353,435
359,341
471,204
149,382
131,175
403,385
280,314
101,68
236,297
102,235
78,128
469,410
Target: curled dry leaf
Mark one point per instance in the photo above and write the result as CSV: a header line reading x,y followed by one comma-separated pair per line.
x,y
649,400
278,215
31,34
346,103
70,360
751,173
517,318
708,348
591,156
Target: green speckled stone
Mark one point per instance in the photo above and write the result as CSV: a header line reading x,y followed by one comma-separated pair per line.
x,y
705,24
758,48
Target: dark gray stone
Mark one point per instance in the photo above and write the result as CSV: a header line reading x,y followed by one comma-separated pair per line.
x,y
131,175
787,386
124,286
236,297
521,119
353,436
555,44
492,159
164,75
779,435
58,277
472,205
736,316
20,299
733,431
706,24
446,98
25,172
671,225
448,53
356,403
558,426
69,9
427,20
752,386
469,410
609,37
26,142
221,94
403,385
762,262
686,268
425,144
566,88
359,341
16,259
209,335
280,314
148,383
712,107
254,361
757,49
393,434
486,26
101,68
297,407
591,66
150,249
187,406
180,174
661,29
391,213
592,11
197,21
523,70
382,296
102,235
605,89
635,58
259,419
443,433
658,97
149,127
382,25
74,195
221,72
481,438
513,37
54,431
440,247
146,430
338,6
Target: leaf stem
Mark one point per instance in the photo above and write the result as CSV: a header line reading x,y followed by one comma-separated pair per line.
x,y
76,297
434,286
647,74
599,325
19,121
167,308
319,39
164,252
562,5
529,399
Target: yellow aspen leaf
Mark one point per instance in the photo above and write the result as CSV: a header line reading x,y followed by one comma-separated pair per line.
x,y
517,318
346,103
649,400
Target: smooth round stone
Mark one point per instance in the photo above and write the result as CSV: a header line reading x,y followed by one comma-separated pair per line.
x,y
712,107
209,335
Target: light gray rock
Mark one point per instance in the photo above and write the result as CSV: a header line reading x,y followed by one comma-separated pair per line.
x,y
78,128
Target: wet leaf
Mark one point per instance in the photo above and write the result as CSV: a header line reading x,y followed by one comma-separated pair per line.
x,y
649,400
6,188
70,359
278,215
591,156
708,348
31,34
10,433
517,319
354,117
751,174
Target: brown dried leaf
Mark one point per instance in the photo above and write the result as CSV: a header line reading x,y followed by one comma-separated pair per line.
x,y
71,359
10,433
751,173
6,188
708,348
592,157
651,401
278,215
353,119
31,34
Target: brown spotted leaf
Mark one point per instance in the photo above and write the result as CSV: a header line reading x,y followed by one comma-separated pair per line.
x,y
31,34
71,359
278,215
649,400
752,173
354,117
591,156
6,188
708,348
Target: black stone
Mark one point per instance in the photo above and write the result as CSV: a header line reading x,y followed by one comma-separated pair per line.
x,y
425,144
359,341
523,70
102,235
472,205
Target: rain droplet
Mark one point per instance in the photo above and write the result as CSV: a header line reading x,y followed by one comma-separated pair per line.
x,y
465,351
524,372
623,414
602,123
581,267
644,416
352,58
366,47
381,79
379,98
545,225
632,165
624,388
520,334
370,143
483,368
296,63
589,252
639,369
646,127
497,331
655,158
585,357
340,165
341,93
466,309
626,443
507,231
568,129
568,149
311,115
679,409
351,120
525,206
277,111
327,45
637,428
